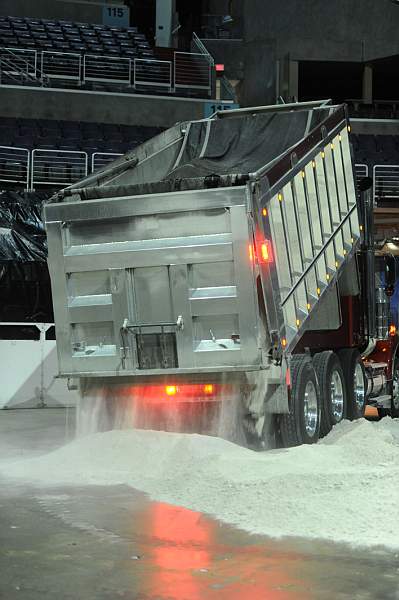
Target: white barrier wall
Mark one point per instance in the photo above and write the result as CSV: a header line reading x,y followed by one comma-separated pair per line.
x,y
28,374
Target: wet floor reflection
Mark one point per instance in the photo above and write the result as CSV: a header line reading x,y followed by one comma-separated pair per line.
x,y
114,542
191,562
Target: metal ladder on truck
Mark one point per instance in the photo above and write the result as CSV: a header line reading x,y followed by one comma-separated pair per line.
x,y
309,212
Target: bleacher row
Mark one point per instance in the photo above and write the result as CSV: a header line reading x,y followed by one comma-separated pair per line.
x,y
38,154
67,135
67,36
376,149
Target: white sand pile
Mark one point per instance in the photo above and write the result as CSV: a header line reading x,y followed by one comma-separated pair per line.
x,y
346,488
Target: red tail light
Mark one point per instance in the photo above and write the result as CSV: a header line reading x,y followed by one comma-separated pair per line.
x,y
265,248
184,392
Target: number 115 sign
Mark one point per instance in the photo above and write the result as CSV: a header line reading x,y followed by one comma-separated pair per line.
x,y
116,15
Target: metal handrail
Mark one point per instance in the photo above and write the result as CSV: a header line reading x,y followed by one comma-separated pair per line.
x,y
37,74
43,79
63,153
26,164
203,50
392,184
95,155
318,255
154,82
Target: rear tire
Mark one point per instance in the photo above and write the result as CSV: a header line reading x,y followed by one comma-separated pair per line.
x,y
333,392
355,381
302,424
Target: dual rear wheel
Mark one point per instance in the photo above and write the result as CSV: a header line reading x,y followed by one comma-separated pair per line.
x,y
324,390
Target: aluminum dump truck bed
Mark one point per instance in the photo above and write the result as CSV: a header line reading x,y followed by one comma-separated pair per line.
x,y
210,248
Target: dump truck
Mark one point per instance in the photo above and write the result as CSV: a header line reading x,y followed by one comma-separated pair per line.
x,y
230,257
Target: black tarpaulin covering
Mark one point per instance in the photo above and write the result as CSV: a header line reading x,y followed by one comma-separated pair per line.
x,y
22,233
25,291
239,145
221,152
244,144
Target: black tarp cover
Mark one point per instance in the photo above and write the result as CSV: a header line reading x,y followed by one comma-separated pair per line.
x,y
25,291
238,145
22,233
221,152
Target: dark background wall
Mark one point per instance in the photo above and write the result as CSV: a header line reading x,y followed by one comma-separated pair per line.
x,y
350,30
297,49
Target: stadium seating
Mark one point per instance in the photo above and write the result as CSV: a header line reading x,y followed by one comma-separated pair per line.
x,y
375,149
67,36
43,154
67,135
49,53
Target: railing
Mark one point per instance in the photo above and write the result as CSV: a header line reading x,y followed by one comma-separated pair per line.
x,y
386,183
21,64
48,167
156,73
61,65
99,160
360,172
202,49
192,71
14,165
51,167
187,70
20,60
106,69
57,167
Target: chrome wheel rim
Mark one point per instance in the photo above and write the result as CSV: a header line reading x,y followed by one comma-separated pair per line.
x,y
395,388
336,397
358,387
310,409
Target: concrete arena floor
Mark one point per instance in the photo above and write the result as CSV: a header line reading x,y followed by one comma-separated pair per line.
x,y
97,543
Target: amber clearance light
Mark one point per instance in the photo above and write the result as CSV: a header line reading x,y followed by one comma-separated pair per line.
x,y
392,330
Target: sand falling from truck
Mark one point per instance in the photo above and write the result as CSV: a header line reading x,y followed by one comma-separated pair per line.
x,y
104,406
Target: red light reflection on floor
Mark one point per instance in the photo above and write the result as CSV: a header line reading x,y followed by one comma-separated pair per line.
x,y
190,564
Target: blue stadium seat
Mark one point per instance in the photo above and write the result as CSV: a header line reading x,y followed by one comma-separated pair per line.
x,y
64,135
47,34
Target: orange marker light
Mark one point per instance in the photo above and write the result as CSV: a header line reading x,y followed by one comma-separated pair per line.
x,y
392,330
208,388
264,212
265,252
283,342
171,390
251,252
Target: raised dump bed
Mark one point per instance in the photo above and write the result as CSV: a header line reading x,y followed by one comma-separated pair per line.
x,y
212,248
